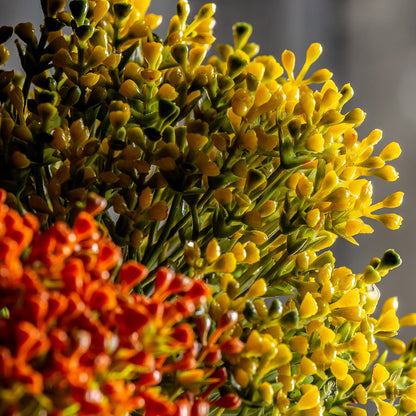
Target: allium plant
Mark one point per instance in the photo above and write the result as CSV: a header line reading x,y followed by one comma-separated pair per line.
x,y
203,285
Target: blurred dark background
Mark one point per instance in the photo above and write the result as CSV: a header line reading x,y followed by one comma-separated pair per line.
x,y
371,45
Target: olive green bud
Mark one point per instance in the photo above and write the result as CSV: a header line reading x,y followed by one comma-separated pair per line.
x,y
206,11
347,92
192,253
26,32
235,65
6,33
250,312
225,82
99,37
79,10
182,10
72,96
241,31
180,54
254,179
55,6
390,260
122,10
290,319
276,308
84,32
371,275
4,54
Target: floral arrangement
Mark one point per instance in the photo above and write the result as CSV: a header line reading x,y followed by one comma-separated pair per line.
x,y
164,225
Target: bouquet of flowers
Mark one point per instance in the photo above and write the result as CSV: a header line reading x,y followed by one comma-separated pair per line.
x,y
165,219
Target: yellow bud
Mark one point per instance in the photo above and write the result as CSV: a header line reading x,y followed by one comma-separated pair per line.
x,y
391,221
167,92
326,335
152,52
388,322
109,177
213,251
254,342
150,76
112,61
241,102
241,377
249,141
360,394
380,374
262,95
304,187
269,345
288,62
385,408
349,299
257,289
257,69
119,118
89,80
315,143
395,345
266,392
129,89
345,384
196,56
310,397
387,173
283,356
339,368
119,204
408,320
97,56
20,160
319,76
313,217
139,29
257,237
252,253
62,58
308,104
239,252
145,198
356,411
390,152
196,141
268,208
132,71
308,307
299,344
408,405
393,200
4,54
313,53
307,366
158,212
226,263
252,219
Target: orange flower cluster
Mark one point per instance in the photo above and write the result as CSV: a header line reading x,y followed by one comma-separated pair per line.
x,y
74,339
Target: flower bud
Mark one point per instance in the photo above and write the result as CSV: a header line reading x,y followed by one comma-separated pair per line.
x,y
79,9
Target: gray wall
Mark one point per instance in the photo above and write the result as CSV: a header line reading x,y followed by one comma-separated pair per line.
x,y
372,45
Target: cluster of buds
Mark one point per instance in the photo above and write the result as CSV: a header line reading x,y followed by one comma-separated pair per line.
x,y
234,171
76,339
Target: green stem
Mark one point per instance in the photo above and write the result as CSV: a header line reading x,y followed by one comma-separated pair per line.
x,y
156,249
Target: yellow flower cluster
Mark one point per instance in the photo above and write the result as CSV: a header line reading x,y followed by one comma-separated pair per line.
x,y
236,169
